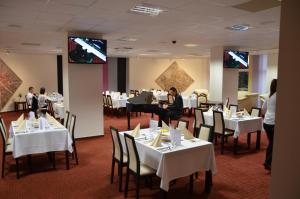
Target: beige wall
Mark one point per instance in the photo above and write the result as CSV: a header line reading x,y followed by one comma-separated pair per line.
x,y
144,71
272,69
35,70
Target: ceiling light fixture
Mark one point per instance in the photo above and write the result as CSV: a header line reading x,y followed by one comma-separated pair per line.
x,y
191,45
127,39
147,9
239,27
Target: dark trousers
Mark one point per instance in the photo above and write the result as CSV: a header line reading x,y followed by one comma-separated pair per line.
x,y
270,134
165,115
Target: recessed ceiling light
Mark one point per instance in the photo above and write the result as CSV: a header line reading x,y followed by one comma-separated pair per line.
x,y
14,26
127,39
147,9
191,45
239,27
30,44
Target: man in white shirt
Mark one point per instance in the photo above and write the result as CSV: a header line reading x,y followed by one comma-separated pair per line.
x,y
269,108
29,96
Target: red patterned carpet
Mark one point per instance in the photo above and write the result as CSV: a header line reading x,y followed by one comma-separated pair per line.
x,y
239,176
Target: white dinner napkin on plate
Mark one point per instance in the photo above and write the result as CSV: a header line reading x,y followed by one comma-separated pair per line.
x,y
246,113
165,127
136,131
20,119
187,134
21,127
156,141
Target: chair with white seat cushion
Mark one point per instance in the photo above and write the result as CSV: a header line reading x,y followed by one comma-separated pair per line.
x,y
199,119
117,156
182,124
134,165
206,133
255,112
233,108
219,128
7,147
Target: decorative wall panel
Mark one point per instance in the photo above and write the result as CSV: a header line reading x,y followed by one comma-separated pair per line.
x,y
9,83
176,77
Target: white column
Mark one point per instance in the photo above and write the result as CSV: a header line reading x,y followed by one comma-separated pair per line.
x,y
285,180
83,89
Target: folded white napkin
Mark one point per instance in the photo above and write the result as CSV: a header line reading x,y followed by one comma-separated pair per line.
x,y
246,112
21,127
165,127
225,109
156,141
187,134
210,110
136,132
20,119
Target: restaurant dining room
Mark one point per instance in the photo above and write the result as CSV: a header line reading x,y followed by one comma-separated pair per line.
x,y
149,99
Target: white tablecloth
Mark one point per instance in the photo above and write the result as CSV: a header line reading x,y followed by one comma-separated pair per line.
x,y
119,103
161,96
59,110
239,125
39,141
189,102
182,161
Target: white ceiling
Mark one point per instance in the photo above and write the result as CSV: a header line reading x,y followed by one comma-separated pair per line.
x,y
200,22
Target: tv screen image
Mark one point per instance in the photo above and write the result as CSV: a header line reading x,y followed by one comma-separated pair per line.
x,y
84,50
235,59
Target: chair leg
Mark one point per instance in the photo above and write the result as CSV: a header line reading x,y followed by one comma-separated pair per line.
x,y
112,171
17,166
235,146
3,164
222,144
53,160
75,153
191,183
30,163
216,139
126,183
120,168
137,195
249,140
67,160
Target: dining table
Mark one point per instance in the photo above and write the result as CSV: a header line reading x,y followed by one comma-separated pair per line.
x,y
32,138
172,162
239,125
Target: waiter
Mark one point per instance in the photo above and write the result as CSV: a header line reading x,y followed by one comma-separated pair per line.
x,y
172,111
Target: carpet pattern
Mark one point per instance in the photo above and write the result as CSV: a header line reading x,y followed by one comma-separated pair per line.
x,y
239,176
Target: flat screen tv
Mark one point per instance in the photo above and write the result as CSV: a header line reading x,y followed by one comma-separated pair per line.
x,y
83,50
235,59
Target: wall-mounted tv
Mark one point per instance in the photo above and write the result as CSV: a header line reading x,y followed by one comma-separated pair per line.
x,y
235,59
83,50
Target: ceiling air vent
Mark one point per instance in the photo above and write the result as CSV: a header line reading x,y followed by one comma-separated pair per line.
x,y
147,9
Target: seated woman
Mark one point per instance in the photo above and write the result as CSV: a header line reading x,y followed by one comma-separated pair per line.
x,y
42,99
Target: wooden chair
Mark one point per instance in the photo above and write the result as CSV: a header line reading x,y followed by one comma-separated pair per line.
x,y
117,156
219,128
201,98
105,107
206,133
6,147
181,124
255,112
72,132
110,106
233,108
134,165
66,120
199,119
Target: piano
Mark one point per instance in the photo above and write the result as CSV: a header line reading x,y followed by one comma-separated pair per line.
x,y
141,103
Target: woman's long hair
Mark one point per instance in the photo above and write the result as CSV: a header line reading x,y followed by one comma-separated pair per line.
x,y
273,87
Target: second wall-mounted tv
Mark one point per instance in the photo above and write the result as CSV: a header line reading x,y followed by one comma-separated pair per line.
x,y
83,50
235,59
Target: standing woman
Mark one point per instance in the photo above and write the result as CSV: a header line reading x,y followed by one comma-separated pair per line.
x,y
269,108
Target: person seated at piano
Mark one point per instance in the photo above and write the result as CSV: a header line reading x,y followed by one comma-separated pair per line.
x,y
174,110
42,99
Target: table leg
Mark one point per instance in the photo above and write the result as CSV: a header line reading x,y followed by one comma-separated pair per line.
x,y
67,160
29,163
208,181
258,135
191,183
235,146
17,167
